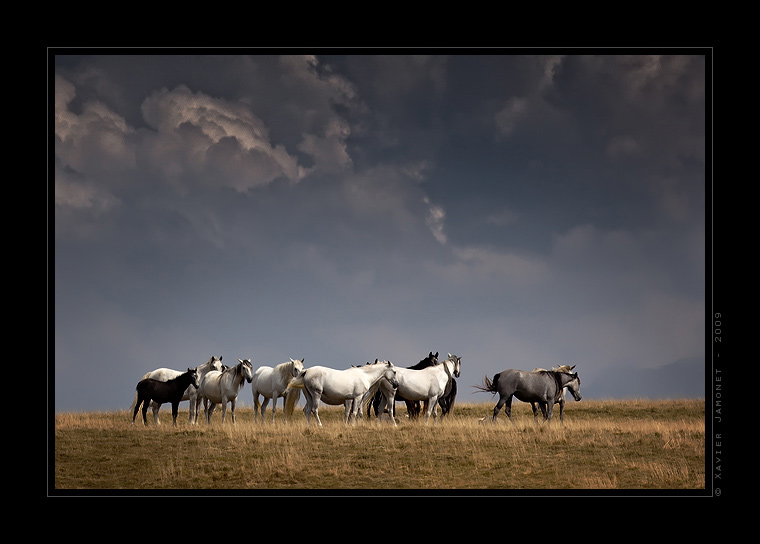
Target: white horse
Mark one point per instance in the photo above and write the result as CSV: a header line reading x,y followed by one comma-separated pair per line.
x,y
428,385
222,387
271,383
339,386
191,393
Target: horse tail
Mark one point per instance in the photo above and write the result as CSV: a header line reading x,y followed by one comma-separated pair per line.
x,y
488,385
292,394
134,401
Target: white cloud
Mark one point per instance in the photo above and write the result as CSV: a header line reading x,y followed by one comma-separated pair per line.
x,y
95,141
82,195
434,220
328,150
213,141
93,151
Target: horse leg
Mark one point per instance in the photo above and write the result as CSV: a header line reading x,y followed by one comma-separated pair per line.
x,y
232,409
198,401
307,406
175,410
508,407
549,409
391,411
541,405
505,401
562,410
256,405
224,408
444,406
535,411
275,394
430,405
137,407
356,407
316,397
145,411
155,406
264,408
347,411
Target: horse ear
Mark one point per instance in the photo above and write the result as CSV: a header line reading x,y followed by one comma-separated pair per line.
x,y
303,359
436,354
430,354
220,357
376,360
572,367
240,360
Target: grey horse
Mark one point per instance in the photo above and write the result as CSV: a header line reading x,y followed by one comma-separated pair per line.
x,y
560,400
543,387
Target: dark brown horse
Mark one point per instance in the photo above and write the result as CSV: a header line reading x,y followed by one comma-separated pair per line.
x,y
160,392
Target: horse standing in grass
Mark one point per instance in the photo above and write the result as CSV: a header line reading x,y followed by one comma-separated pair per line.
x,y
560,400
339,386
428,384
223,387
160,392
543,386
412,406
164,374
271,383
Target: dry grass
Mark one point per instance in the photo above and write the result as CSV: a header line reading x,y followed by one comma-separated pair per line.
x,y
602,445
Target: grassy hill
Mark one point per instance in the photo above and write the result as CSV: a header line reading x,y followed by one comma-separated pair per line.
x,y
603,445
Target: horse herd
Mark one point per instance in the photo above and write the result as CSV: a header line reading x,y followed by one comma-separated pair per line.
x,y
377,385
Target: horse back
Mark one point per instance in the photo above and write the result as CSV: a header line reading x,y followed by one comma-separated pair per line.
x,y
155,390
526,386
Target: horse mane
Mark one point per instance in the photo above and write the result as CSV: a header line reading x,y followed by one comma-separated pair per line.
x,y
283,370
558,382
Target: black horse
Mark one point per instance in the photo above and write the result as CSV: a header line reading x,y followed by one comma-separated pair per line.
x,y
161,392
413,406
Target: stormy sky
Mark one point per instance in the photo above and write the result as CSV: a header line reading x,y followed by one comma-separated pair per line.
x,y
516,208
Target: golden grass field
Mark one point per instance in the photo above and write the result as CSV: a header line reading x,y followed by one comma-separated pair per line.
x,y
603,445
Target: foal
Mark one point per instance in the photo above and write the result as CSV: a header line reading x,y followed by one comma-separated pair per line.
x,y
161,392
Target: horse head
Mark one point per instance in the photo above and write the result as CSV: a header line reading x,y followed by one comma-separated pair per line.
x,y
457,364
215,363
193,372
390,374
246,369
574,386
297,366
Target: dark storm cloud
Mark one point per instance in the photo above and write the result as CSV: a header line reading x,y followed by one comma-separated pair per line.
x,y
516,210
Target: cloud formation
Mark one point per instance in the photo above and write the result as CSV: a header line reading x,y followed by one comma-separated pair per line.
x,y
518,210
